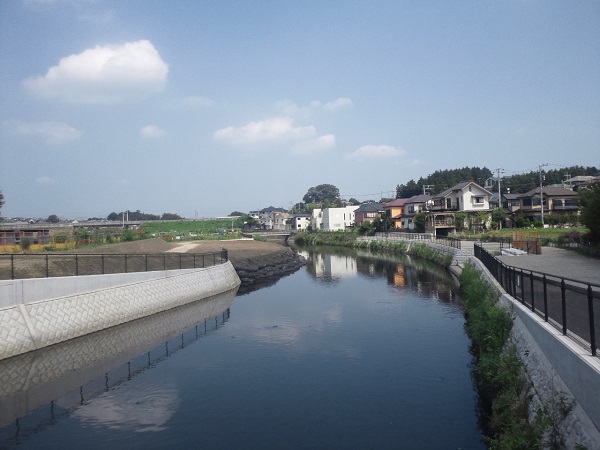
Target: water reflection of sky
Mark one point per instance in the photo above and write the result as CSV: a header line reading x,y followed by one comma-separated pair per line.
x,y
139,408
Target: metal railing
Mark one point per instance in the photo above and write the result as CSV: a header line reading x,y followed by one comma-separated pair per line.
x,y
571,306
37,265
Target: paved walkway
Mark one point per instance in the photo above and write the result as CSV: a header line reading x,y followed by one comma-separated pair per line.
x,y
560,263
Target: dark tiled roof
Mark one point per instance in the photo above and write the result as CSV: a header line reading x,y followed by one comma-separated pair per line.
x,y
458,187
421,198
396,202
551,191
369,207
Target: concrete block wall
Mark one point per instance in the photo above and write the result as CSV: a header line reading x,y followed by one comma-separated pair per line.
x,y
29,325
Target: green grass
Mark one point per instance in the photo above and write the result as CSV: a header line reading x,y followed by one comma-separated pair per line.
x,y
192,229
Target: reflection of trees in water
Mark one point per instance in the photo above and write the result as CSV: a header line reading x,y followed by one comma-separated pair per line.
x,y
399,270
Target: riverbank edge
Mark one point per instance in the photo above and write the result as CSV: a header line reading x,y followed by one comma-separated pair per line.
x,y
270,265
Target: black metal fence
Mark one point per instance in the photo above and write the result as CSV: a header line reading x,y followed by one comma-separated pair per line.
x,y
37,265
570,305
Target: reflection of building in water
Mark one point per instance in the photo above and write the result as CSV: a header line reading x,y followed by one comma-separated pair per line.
x,y
426,282
398,275
330,266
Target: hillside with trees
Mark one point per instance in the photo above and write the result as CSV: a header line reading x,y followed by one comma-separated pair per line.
x,y
441,180
521,183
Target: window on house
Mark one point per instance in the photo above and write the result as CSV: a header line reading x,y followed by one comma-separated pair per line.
x,y
478,199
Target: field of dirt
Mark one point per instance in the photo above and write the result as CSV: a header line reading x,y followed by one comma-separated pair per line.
x,y
237,249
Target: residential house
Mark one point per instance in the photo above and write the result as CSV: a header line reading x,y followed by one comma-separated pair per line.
x,y
316,219
267,218
368,212
395,210
466,196
510,202
413,206
280,220
556,200
298,222
337,218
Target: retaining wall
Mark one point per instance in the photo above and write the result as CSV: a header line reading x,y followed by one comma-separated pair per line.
x,y
76,306
555,365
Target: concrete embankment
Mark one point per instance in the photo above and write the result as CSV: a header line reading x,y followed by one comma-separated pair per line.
x,y
37,313
557,368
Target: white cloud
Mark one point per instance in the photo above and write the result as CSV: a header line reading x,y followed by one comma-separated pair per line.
x,y
44,180
104,74
291,108
152,132
53,133
339,103
321,143
274,130
375,151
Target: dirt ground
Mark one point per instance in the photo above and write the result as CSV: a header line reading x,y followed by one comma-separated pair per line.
x,y
237,249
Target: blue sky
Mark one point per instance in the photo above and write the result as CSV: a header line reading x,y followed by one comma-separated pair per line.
x,y
205,107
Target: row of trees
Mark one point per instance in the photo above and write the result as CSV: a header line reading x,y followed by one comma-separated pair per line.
x,y
137,216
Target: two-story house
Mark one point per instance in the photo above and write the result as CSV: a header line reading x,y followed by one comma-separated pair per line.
x,y
394,210
298,222
413,206
555,200
467,197
368,212
331,219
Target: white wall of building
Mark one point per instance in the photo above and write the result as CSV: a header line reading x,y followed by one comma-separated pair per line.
x,y
338,218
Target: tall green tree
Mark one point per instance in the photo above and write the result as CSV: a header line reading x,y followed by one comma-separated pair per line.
x,y
589,199
322,192
1,203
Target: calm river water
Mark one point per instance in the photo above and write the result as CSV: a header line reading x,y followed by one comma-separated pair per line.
x,y
350,352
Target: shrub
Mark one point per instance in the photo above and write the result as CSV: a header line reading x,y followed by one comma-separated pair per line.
x,y
25,243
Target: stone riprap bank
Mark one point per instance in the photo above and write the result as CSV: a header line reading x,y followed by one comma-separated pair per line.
x,y
36,313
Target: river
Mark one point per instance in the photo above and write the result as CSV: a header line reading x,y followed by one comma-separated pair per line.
x,y
352,351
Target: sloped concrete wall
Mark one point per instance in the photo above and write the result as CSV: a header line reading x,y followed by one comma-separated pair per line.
x,y
30,325
555,365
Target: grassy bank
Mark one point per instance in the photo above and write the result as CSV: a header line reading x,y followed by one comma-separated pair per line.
x,y
498,372
350,239
501,378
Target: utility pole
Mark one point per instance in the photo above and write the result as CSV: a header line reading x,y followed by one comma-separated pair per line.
x,y
541,191
499,192
427,187
568,179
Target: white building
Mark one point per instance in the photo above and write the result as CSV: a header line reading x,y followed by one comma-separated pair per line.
x,y
298,222
338,218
